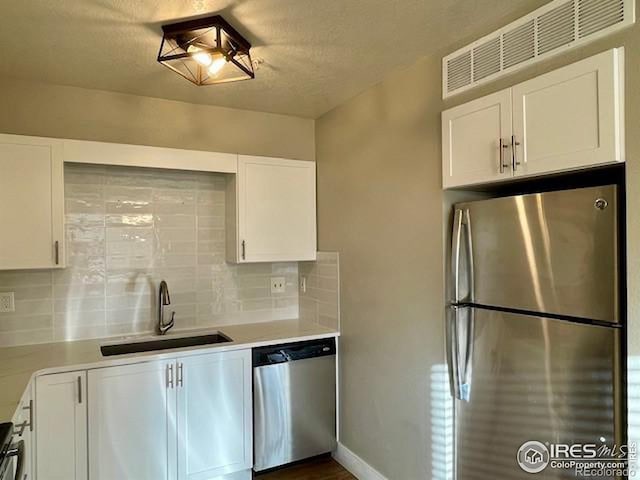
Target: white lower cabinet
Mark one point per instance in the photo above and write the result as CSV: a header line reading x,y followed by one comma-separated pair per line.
x,y
185,418
188,418
131,422
61,426
214,415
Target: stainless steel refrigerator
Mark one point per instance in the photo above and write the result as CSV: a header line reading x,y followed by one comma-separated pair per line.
x,y
534,327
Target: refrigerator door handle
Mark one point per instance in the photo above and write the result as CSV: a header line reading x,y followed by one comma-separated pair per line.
x,y
455,254
453,353
466,375
469,243
460,372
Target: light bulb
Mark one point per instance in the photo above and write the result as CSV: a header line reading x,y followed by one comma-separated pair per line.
x,y
217,65
202,58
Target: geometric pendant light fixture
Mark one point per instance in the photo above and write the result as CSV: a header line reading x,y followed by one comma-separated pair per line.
x,y
206,51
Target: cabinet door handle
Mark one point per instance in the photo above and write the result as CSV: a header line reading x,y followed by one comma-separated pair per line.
x,y
244,249
170,375
180,375
57,252
503,147
80,390
514,149
20,428
30,408
26,423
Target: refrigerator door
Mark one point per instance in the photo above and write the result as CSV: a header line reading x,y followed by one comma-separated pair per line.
x,y
554,253
535,379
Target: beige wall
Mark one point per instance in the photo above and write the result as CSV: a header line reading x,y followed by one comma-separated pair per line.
x,y
28,108
381,207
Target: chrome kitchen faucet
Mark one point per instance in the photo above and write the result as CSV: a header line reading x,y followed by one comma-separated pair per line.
x,y
164,300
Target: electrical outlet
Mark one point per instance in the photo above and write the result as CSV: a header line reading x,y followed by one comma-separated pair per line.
x,y
278,284
303,284
7,303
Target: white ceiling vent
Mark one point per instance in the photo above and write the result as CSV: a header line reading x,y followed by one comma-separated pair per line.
x,y
549,30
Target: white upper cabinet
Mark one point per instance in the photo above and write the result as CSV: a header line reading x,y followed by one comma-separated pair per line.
x,y
572,117
569,119
61,427
132,422
31,203
214,415
271,211
475,139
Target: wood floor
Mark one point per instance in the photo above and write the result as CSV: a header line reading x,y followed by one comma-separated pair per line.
x,y
322,468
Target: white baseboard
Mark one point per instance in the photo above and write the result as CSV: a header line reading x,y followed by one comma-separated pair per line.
x,y
357,466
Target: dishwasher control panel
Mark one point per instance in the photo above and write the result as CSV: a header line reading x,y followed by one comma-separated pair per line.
x,y
293,351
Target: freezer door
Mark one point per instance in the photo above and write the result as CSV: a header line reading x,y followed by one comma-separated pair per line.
x,y
554,253
534,379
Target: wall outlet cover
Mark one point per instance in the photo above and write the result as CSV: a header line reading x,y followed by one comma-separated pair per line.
x,y
278,284
7,302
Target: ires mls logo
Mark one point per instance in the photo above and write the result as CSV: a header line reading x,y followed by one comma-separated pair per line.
x,y
584,459
533,457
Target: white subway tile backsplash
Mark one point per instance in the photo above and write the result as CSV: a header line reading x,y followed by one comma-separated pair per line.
x,y
29,293
78,318
127,229
12,279
81,304
12,322
25,337
320,302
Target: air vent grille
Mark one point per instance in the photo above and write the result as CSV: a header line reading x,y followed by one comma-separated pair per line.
x,y
596,15
518,45
459,69
486,59
556,28
553,28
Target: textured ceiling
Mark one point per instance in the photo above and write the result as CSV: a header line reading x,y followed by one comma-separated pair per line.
x,y
316,53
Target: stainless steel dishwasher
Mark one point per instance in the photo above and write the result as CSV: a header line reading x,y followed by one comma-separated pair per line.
x,y
294,400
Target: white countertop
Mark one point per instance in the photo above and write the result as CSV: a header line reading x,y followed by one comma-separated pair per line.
x,y
18,365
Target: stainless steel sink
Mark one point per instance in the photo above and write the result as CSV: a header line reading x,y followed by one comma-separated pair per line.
x,y
162,344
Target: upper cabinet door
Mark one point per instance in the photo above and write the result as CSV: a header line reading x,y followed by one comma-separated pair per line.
x,y
214,415
61,426
572,117
276,210
475,141
31,203
131,422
